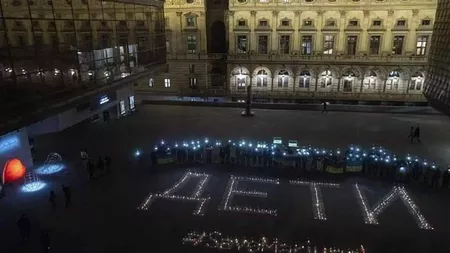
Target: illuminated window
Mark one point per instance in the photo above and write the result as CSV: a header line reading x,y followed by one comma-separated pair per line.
x,y
326,79
304,79
307,22
328,45
167,82
241,44
193,83
151,82
421,45
261,78
283,78
307,45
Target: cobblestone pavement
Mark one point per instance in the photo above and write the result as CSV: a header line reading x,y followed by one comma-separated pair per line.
x,y
104,216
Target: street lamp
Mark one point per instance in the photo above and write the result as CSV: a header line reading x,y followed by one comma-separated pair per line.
x,y
248,104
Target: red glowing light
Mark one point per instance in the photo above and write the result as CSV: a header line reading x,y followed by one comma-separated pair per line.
x,y
13,170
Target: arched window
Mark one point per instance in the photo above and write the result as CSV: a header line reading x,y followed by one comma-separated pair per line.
x,y
326,79
393,80
348,79
261,78
283,78
370,82
416,81
304,79
241,78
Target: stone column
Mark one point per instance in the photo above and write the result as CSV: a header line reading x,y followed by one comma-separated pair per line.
x,y
318,45
362,84
252,35
387,44
202,32
274,31
363,42
412,36
231,38
296,26
341,36
179,34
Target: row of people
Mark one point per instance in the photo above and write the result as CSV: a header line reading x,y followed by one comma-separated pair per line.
x,y
298,161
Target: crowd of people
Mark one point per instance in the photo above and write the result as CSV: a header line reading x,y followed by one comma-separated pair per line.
x,y
95,170
289,159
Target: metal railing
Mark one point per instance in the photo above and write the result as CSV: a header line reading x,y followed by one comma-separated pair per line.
x,y
328,58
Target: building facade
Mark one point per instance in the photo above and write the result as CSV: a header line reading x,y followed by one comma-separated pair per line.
x,y
196,45
437,88
330,49
53,46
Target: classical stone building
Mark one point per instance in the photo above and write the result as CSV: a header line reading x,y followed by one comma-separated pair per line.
x,y
437,88
330,49
48,46
196,45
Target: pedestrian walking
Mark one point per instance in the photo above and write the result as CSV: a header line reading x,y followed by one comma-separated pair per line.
x,y
417,134
411,134
67,195
24,225
324,107
52,199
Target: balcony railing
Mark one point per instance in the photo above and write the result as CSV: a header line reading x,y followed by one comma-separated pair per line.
x,y
364,96
329,58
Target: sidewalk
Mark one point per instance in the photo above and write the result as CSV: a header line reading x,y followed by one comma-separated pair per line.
x,y
417,110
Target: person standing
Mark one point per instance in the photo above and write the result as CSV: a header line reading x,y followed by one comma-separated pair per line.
x,y
435,178
324,107
24,227
67,195
52,199
417,134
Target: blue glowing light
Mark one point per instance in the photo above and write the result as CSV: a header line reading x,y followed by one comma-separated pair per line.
x,y
49,169
162,142
137,153
33,186
402,169
8,143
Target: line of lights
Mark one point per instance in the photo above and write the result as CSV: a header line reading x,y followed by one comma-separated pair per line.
x,y
370,216
317,200
194,197
413,209
216,240
232,191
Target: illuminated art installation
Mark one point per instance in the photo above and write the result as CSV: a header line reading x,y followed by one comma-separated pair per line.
x,y
232,191
13,170
317,200
216,240
52,165
195,196
32,183
8,143
371,214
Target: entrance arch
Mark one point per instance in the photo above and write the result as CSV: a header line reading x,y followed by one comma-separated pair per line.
x,y
217,41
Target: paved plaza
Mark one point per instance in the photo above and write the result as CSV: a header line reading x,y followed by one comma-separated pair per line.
x,y
105,217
